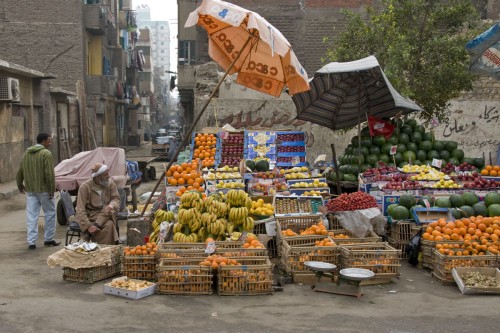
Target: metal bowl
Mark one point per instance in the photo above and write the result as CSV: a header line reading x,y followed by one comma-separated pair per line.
x,y
356,274
320,266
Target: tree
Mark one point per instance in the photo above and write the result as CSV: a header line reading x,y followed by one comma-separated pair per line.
x,y
420,46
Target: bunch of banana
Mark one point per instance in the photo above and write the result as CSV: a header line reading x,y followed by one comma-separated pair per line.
x,y
218,227
230,227
207,218
194,225
238,214
235,235
237,198
177,227
191,199
186,215
248,224
180,237
155,234
202,234
216,207
162,215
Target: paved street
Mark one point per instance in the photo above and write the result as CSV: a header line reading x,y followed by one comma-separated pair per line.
x,y
34,297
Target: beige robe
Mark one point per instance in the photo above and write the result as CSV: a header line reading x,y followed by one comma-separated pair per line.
x,y
91,201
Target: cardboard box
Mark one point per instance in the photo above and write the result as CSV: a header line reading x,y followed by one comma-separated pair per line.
x,y
458,272
423,215
108,289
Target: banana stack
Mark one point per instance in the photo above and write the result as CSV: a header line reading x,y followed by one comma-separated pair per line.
x,y
215,204
189,217
239,203
159,217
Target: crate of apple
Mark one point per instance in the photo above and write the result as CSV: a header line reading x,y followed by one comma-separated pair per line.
x,y
381,170
475,181
291,149
295,137
449,167
237,139
403,185
231,161
232,150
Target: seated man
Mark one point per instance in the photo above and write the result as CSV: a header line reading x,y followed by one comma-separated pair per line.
x,y
97,202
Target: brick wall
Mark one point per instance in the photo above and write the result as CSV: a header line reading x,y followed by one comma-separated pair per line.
x,y
46,36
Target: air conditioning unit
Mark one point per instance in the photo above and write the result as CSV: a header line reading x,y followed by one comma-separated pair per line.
x,y
9,90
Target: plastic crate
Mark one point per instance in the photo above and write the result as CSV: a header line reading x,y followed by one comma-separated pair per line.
x,y
184,276
139,267
297,250
253,277
92,274
380,258
444,264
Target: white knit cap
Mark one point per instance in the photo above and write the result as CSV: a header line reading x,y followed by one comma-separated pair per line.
x,y
98,169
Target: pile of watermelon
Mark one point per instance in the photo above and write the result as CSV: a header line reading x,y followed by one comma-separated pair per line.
x,y
461,205
413,143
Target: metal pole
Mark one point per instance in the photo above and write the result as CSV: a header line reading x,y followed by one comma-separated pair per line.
x,y
336,168
191,129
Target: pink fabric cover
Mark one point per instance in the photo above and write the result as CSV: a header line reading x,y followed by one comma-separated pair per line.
x,y
71,173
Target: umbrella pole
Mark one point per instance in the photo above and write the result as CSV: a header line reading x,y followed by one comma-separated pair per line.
x,y
336,168
191,129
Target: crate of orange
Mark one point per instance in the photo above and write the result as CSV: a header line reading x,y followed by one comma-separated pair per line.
x,y
186,176
250,248
491,171
139,262
205,148
185,250
245,276
380,258
295,251
184,276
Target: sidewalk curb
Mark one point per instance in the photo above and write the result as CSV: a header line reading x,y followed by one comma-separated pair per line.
x,y
8,194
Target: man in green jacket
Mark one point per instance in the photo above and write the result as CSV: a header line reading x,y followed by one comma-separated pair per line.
x,y
36,177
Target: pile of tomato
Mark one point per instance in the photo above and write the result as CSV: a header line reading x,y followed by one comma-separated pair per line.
x,y
351,201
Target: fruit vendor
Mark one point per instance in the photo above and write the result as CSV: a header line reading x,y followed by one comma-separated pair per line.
x,y
98,201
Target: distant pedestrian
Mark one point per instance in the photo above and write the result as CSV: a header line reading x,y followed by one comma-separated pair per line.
x,y
174,145
36,177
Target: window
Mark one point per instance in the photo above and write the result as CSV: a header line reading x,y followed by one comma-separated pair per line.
x,y
187,51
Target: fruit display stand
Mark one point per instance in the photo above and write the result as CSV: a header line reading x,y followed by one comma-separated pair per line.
x,y
444,264
299,186
291,149
254,276
259,145
207,148
184,276
232,148
294,205
380,258
259,186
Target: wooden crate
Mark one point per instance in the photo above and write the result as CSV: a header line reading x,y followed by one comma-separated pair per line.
x,y
401,246
253,277
334,222
427,249
174,250
92,274
295,223
297,250
184,276
372,237
242,252
444,264
403,230
140,267
380,258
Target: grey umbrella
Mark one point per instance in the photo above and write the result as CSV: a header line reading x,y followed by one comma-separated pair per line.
x,y
344,94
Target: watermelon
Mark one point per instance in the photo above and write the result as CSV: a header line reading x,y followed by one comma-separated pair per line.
x,y
444,155
398,157
404,138
433,154
412,146
456,213
372,159
407,200
349,149
467,211
470,198
480,209
397,122
469,160
386,148
494,210
359,159
401,148
408,130
262,165
366,142
416,137
374,150
428,136
443,202
379,140
402,164
425,145
409,156
354,140
456,200
350,178
492,198
421,202
458,154
361,151
419,129
250,164
421,155
411,122
365,131
427,162
390,208
453,161
417,162
383,158
393,140
438,145
479,163
365,167
450,146
400,213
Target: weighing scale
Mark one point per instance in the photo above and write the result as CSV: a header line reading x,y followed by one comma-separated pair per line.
x,y
348,283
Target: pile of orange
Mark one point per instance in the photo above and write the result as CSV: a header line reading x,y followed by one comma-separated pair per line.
x,y
315,229
204,148
216,260
149,249
252,243
491,170
289,233
479,234
186,176
324,242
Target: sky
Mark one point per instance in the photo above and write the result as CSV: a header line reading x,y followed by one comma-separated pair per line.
x,y
164,10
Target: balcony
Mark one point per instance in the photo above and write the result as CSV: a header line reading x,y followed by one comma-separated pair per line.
x,y
96,19
101,85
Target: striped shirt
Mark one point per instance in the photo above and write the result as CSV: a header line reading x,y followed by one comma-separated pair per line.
x,y
37,170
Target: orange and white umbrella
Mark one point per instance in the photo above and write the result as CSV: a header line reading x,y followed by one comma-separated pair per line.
x,y
262,56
